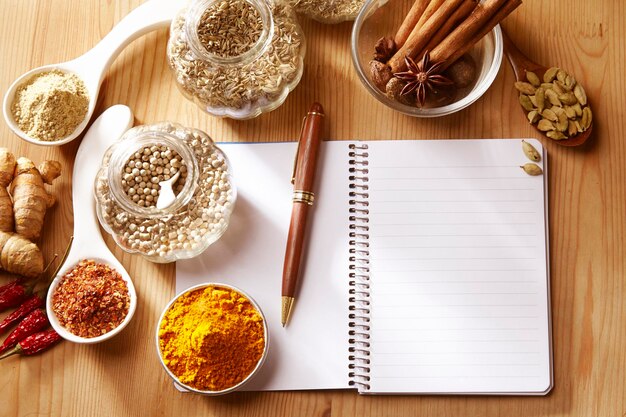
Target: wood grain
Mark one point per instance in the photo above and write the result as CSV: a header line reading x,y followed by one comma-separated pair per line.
x,y
587,200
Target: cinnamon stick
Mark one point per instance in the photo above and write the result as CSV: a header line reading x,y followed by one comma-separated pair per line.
x,y
411,19
419,37
463,33
433,6
450,54
457,17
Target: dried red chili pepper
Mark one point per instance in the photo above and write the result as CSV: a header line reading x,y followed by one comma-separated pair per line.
x,y
34,343
14,296
35,321
10,285
34,301
19,292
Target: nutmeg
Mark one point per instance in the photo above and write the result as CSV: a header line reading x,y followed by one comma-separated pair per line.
x,y
462,71
380,73
393,90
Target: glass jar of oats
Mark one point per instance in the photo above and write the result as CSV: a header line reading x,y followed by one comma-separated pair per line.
x,y
131,180
236,58
329,11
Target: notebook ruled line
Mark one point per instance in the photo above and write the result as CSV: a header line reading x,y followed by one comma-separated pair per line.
x,y
378,306
454,224
394,178
447,258
470,189
372,235
378,212
452,247
474,376
457,352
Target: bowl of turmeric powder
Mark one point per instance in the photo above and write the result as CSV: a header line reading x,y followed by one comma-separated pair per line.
x,y
212,339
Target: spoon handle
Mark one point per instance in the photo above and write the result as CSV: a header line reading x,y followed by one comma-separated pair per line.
x,y
518,60
103,132
151,15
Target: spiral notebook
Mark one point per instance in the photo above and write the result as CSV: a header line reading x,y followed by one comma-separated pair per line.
x,y
426,267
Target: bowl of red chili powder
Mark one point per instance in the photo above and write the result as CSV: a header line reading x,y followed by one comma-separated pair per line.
x,y
212,339
90,302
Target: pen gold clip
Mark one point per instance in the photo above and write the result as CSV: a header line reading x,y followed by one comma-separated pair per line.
x,y
295,158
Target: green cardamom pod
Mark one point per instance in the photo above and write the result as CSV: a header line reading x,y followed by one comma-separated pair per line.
x,y
530,151
533,116
556,135
550,74
524,100
525,88
580,94
553,97
532,78
545,125
550,115
532,169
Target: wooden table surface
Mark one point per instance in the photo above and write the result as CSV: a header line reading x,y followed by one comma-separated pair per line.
x,y
122,377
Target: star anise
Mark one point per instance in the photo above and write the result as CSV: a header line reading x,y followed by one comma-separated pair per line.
x,y
421,77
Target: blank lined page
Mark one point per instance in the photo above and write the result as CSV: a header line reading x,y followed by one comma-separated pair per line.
x,y
459,274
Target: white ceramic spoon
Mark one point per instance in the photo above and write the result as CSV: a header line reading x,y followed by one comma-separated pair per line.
x,y
166,193
92,66
88,243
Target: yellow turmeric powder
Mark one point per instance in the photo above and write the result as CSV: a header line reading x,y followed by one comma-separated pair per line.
x,y
211,338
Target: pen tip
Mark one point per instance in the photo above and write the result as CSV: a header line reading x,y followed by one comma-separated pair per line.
x,y
316,107
285,311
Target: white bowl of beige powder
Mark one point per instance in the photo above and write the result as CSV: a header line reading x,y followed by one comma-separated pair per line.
x,y
49,107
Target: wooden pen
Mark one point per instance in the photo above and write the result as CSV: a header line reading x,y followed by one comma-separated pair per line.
x,y
303,179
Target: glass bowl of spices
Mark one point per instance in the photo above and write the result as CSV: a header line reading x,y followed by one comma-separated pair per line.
x,y
451,68
212,339
164,191
90,302
236,58
329,11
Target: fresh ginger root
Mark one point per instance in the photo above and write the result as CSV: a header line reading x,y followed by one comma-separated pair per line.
x,y
30,198
20,256
24,213
6,211
7,166
50,171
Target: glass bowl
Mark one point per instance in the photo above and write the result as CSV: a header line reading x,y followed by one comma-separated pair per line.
x,y
184,387
200,213
380,18
243,86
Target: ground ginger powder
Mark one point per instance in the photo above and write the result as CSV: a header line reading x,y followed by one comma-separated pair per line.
x,y
211,338
50,105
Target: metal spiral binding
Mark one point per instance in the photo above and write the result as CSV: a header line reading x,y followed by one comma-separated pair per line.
x,y
359,299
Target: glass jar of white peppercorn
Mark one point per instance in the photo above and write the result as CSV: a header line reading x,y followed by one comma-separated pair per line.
x,y
133,177
236,58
